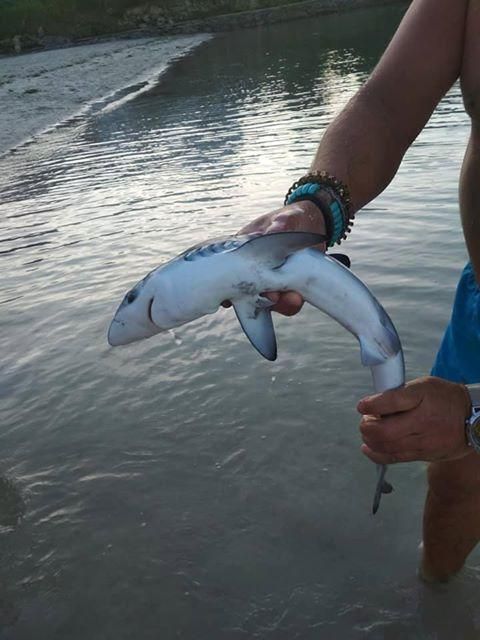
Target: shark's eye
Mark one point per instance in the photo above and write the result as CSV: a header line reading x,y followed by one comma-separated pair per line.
x,y
130,297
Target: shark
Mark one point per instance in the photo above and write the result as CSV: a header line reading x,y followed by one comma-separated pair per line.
x,y
241,269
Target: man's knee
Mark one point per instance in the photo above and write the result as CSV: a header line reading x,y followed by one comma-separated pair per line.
x,y
456,479
471,102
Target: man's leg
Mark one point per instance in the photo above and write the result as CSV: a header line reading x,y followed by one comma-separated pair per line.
x,y
470,196
451,522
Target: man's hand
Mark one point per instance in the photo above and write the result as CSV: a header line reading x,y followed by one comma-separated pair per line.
x,y
300,216
425,420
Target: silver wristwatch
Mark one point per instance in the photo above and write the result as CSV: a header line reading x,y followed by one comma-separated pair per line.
x,y
472,424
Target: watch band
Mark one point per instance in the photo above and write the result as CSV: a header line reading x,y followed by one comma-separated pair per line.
x,y
472,423
474,393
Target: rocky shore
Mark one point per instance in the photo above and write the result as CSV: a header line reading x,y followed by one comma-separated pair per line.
x,y
155,18
152,20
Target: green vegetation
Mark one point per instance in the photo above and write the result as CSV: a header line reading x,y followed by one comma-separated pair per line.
x,y
86,18
58,17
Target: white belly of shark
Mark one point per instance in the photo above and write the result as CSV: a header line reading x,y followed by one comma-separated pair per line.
x,y
239,269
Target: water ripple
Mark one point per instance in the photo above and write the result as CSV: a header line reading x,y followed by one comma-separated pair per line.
x,y
172,482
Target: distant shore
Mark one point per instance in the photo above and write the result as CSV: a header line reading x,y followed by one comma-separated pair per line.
x,y
150,20
41,89
275,14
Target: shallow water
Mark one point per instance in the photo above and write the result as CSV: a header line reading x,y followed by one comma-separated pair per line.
x,y
182,487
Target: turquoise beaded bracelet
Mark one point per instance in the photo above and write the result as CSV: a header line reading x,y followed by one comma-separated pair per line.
x,y
331,197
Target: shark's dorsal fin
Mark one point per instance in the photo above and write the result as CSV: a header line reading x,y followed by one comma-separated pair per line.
x,y
274,248
255,318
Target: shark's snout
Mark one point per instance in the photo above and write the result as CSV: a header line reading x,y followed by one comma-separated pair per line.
x,y
127,327
119,334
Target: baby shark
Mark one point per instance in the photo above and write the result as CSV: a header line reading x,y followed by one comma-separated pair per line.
x,y
240,269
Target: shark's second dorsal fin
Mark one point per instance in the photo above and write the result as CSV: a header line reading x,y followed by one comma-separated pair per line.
x,y
274,248
255,318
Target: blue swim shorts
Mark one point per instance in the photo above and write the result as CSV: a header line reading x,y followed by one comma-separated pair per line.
x,y
458,358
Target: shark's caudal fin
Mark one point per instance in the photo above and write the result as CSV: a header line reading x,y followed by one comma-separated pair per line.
x,y
274,248
255,318
382,487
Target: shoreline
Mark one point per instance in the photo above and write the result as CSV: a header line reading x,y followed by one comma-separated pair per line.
x,y
276,14
41,90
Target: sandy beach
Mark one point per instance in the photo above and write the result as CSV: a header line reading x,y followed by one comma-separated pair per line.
x,y
40,90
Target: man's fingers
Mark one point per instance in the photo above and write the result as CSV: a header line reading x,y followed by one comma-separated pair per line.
x,y
393,401
390,435
403,434
289,303
260,225
274,296
288,220
391,458
387,429
283,222
296,219
410,443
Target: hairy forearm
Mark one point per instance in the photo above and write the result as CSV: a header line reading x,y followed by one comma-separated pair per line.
x,y
364,157
365,144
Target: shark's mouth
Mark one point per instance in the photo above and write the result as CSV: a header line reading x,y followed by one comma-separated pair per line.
x,y
149,311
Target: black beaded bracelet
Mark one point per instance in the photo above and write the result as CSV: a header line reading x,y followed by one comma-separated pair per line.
x,y
337,201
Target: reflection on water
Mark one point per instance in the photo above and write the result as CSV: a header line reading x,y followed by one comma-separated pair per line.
x,y
182,487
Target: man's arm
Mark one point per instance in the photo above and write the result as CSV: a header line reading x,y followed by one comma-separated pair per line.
x,y
365,144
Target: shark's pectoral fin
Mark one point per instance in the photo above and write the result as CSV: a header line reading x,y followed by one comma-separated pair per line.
x,y
256,321
382,487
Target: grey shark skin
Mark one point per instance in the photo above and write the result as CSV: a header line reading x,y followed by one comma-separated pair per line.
x,y
239,269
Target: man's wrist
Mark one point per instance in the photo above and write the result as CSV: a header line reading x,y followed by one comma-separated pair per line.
x,y
313,214
331,196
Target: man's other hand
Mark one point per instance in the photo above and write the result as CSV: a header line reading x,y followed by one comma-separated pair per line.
x,y
424,420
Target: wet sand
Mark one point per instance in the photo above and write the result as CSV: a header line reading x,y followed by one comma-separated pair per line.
x,y
39,90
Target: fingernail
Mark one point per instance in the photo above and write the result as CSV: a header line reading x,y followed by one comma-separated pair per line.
x,y
365,401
